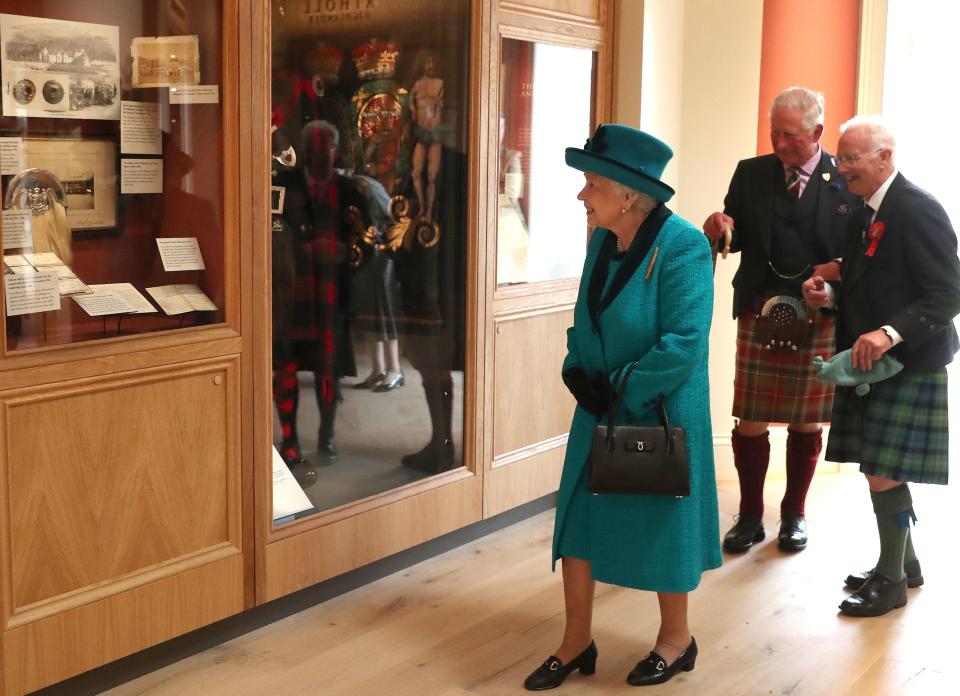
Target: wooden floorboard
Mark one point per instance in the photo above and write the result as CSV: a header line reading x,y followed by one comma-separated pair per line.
x,y
476,620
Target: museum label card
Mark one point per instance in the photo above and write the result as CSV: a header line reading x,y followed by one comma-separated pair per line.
x,y
17,229
288,496
98,304
11,156
141,175
23,270
28,294
180,254
195,94
73,286
140,128
45,258
140,304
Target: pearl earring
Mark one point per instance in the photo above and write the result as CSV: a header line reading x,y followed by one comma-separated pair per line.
x,y
623,211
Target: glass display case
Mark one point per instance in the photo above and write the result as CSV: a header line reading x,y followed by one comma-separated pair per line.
x,y
369,126
112,169
546,105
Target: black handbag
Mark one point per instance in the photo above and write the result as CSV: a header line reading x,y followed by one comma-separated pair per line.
x,y
638,459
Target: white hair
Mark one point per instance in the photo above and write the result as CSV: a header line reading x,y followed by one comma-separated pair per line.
x,y
645,203
874,129
801,99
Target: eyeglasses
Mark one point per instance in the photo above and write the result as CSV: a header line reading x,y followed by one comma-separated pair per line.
x,y
850,159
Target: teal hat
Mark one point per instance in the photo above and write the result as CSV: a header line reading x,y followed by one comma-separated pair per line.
x,y
626,155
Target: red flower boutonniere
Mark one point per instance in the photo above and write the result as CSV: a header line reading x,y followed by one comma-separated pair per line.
x,y
874,234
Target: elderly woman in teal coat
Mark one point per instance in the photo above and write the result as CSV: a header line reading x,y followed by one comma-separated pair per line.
x,y
646,297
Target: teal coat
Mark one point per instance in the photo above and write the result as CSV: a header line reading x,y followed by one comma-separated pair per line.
x,y
648,542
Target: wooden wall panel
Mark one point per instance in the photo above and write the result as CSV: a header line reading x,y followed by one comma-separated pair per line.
x,y
531,475
530,402
107,478
583,9
50,650
324,552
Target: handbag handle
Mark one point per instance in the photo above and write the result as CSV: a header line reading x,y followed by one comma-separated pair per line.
x,y
614,409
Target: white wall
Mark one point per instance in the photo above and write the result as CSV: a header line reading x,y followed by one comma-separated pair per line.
x,y
698,91
650,54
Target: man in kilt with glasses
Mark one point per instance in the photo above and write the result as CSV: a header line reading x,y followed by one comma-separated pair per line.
x,y
900,291
788,214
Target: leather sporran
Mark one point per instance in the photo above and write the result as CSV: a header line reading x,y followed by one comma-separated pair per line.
x,y
638,459
783,325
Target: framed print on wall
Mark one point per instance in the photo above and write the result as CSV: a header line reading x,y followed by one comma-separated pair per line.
x,y
88,171
58,69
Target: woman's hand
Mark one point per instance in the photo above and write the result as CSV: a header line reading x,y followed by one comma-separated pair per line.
x,y
592,393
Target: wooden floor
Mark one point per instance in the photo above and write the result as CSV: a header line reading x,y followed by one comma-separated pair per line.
x,y
476,620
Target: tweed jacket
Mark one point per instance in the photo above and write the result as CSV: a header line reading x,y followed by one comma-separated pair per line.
x,y
658,316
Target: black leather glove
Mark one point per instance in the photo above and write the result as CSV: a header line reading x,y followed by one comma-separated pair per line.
x,y
604,392
592,393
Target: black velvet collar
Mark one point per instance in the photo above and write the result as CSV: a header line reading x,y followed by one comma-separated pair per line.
x,y
642,241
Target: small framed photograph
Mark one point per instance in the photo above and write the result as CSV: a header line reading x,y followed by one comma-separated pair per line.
x,y
165,61
277,194
88,171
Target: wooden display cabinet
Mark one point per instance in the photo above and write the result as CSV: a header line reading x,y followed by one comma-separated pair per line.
x,y
135,474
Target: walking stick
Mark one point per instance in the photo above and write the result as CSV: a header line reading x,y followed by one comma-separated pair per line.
x,y
727,239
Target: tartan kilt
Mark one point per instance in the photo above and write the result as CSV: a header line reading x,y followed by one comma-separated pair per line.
x,y
781,387
899,430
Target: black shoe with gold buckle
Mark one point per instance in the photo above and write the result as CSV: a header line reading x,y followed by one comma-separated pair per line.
x,y
653,669
552,672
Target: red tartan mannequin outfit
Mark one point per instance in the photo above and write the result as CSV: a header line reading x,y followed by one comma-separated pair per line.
x,y
316,338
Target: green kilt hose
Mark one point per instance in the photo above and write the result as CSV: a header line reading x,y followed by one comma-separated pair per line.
x,y
781,387
899,431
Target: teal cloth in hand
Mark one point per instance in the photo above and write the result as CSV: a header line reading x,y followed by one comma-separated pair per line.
x,y
840,370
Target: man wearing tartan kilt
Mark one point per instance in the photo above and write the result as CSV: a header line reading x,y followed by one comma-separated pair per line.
x,y
900,291
788,214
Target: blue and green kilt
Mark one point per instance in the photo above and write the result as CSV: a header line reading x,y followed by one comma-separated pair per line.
x,y
899,431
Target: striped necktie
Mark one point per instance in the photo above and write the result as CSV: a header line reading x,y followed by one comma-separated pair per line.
x,y
793,182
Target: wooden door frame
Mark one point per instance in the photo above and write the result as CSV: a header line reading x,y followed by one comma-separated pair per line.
x,y
425,503
522,475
